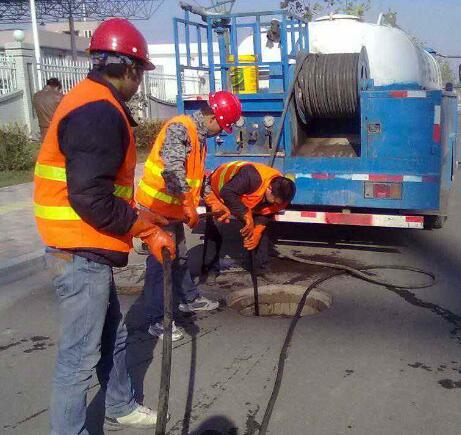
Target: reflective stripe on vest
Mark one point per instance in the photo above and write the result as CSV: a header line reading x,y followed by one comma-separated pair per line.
x,y
152,191
56,213
157,170
57,173
58,224
222,177
161,196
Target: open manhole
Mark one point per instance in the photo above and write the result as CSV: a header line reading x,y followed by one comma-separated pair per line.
x,y
278,300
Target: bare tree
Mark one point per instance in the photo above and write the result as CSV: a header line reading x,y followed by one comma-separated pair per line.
x,y
311,8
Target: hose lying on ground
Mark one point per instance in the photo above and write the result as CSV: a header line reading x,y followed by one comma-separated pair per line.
x,y
340,270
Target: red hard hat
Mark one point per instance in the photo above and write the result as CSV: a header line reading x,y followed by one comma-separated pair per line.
x,y
226,107
118,35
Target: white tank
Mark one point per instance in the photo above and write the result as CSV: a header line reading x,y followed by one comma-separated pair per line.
x,y
393,56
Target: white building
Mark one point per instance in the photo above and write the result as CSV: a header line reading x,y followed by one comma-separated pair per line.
x,y
164,77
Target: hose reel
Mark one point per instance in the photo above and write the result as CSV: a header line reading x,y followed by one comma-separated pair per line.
x,y
328,85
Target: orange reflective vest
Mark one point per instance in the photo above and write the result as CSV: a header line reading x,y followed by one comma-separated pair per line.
x,y
58,223
227,171
152,192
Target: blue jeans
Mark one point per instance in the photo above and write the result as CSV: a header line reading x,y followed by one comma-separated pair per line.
x,y
184,289
92,336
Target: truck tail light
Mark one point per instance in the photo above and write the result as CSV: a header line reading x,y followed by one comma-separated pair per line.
x,y
383,190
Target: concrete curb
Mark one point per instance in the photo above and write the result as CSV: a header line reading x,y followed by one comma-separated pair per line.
x,y
22,266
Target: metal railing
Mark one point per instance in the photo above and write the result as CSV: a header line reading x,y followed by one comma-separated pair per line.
x,y
164,86
68,71
8,81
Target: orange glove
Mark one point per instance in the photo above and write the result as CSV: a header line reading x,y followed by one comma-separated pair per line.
x,y
189,210
247,230
149,216
147,230
219,210
252,242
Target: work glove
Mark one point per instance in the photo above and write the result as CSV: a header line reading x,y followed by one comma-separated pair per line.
x,y
189,210
249,225
252,242
147,229
219,210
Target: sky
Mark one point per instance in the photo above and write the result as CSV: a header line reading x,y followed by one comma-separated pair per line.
x,y
435,22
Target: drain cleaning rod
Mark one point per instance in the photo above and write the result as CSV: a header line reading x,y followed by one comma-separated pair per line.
x,y
364,273
254,279
164,393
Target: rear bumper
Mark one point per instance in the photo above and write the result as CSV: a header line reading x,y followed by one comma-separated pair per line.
x,y
355,219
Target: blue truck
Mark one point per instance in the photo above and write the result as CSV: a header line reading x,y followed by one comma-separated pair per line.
x,y
355,113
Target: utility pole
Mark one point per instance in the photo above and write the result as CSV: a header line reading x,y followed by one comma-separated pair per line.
x,y
73,44
33,15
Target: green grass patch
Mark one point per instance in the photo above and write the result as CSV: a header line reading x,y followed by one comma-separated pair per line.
x,y
10,178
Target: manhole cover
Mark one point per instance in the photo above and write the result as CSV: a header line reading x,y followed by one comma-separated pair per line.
x,y
279,300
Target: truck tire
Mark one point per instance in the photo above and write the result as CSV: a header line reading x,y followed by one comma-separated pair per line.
x,y
434,222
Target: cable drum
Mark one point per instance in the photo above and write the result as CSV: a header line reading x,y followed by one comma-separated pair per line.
x,y
328,85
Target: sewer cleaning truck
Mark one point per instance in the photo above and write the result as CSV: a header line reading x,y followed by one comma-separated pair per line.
x,y
354,112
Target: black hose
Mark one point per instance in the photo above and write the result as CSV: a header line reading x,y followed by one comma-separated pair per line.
x,y
324,86
254,279
341,270
164,393
328,85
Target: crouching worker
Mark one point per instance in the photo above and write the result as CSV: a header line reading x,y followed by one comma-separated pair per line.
x,y
252,193
83,203
171,187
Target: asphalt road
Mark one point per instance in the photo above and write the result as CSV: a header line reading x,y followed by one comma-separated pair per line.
x,y
379,361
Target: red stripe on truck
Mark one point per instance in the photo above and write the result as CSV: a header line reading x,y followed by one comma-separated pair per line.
x,y
349,219
386,178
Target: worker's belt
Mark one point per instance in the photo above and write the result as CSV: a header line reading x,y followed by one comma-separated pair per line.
x,y
57,173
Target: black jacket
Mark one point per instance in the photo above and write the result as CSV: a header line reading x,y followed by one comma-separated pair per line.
x,y
247,180
94,139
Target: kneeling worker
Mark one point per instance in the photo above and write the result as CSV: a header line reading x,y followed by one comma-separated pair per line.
x,y
171,186
251,192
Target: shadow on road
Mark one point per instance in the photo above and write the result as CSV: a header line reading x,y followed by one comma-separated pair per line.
x,y
216,425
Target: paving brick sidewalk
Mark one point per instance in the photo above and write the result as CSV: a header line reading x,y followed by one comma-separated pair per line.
x,y
21,248
19,235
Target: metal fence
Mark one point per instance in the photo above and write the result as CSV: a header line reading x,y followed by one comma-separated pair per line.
x,y
164,86
68,71
8,81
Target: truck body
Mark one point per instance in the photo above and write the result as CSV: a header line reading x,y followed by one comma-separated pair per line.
x,y
393,165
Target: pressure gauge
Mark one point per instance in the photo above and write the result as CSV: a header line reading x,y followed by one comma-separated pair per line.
x,y
268,121
240,122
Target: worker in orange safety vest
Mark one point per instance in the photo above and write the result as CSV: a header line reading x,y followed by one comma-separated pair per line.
x,y
85,214
171,186
251,192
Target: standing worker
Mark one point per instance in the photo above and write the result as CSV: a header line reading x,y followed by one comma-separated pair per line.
x,y
251,192
84,210
45,103
171,187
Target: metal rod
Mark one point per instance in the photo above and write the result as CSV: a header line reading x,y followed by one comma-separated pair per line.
x,y
254,279
178,61
187,30
257,39
199,47
210,52
164,394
